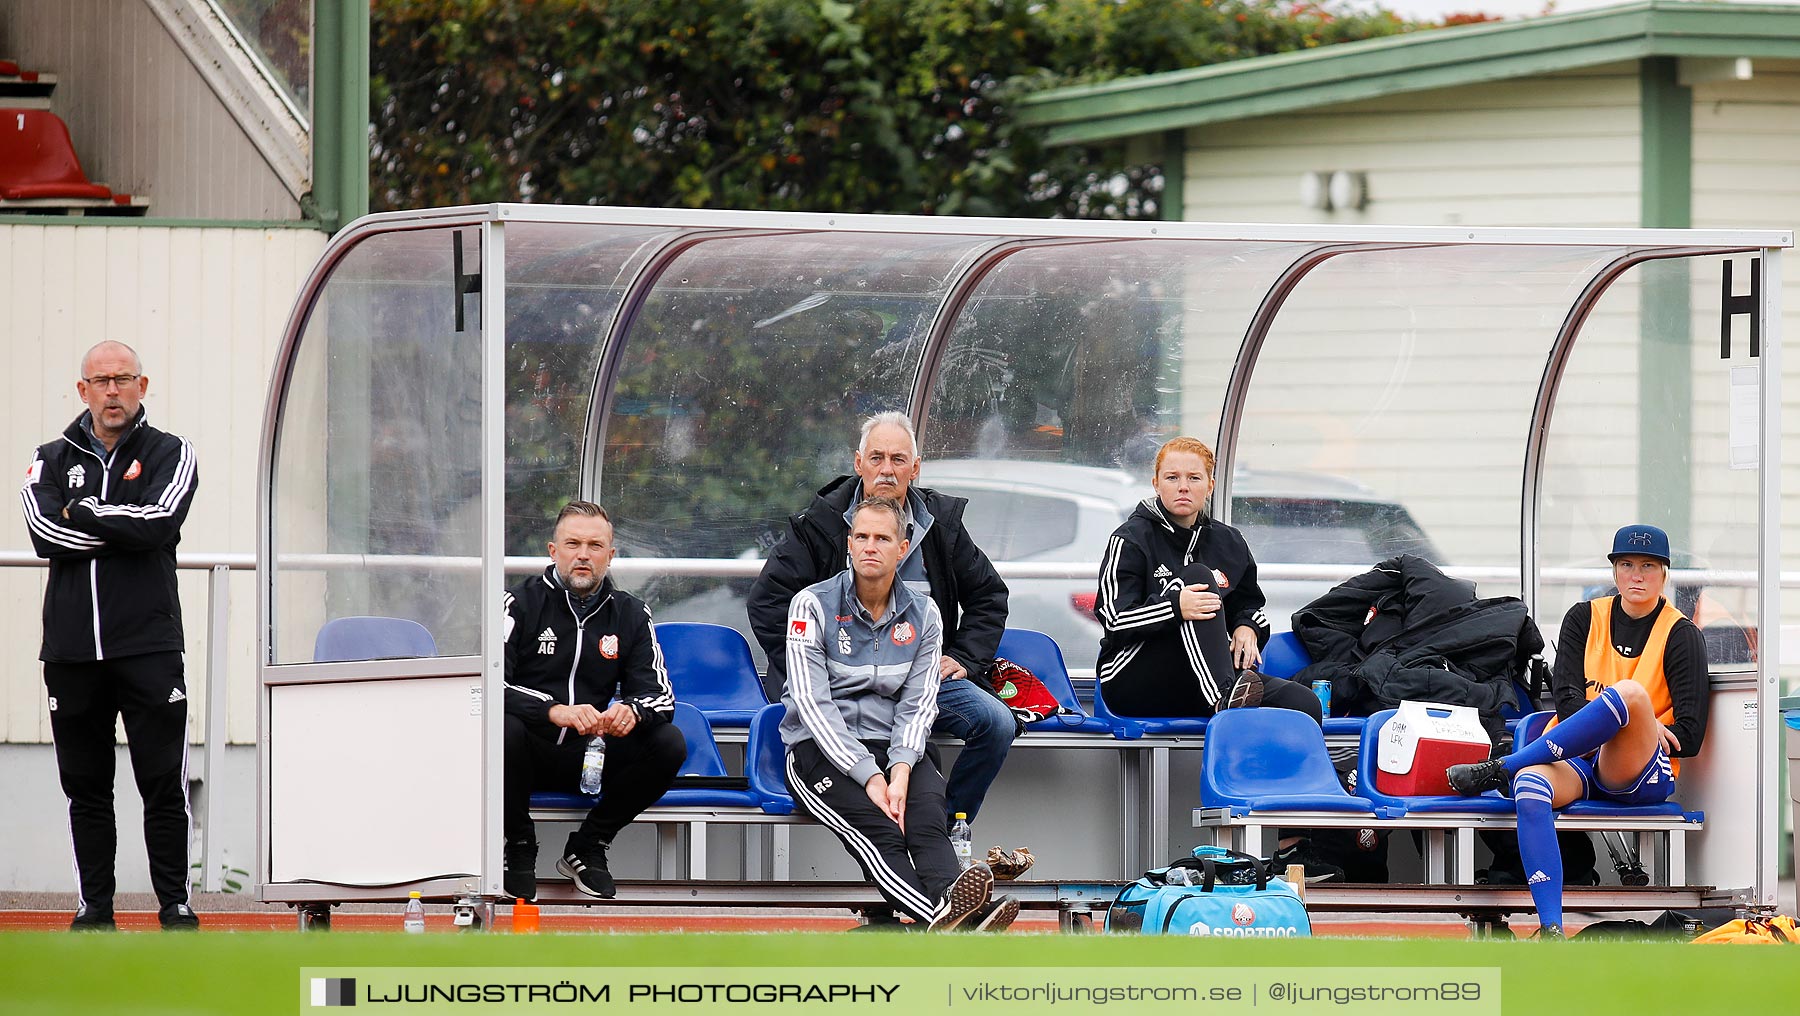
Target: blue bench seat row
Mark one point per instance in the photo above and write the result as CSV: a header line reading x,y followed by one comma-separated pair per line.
x,y
764,789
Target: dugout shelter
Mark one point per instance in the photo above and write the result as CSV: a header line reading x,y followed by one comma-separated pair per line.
x,y
449,377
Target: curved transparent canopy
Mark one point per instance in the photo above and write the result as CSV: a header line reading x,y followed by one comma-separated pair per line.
x,y
1070,363
703,375
1389,406
375,500
564,284
1643,432
740,386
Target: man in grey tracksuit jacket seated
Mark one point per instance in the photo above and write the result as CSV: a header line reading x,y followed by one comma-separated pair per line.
x,y
861,695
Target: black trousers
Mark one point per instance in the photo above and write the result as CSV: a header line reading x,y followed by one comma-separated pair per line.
x,y
1160,680
640,767
149,691
910,869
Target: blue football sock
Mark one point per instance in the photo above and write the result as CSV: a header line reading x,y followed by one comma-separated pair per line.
x,y
1592,726
1538,848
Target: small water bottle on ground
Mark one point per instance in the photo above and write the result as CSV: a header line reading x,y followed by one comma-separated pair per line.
x,y
414,922
592,764
962,840
1178,876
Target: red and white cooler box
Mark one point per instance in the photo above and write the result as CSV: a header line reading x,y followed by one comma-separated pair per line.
x,y
1420,741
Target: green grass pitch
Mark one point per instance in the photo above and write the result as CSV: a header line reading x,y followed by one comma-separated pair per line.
x,y
259,972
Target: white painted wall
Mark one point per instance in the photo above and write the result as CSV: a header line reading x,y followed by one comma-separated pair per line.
x,y
205,308
1555,150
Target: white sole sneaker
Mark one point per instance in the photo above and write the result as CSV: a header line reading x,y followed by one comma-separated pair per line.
x,y
1246,692
967,894
997,916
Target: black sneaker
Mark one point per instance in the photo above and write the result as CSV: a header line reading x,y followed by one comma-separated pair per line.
x,y
967,895
1246,691
589,873
91,918
1317,868
1549,933
1474,778
520,878
879,919
178,917
998,915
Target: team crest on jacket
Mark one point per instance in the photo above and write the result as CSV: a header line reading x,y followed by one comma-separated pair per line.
x,y
77,476
904,633
1219,576
609,646
136,470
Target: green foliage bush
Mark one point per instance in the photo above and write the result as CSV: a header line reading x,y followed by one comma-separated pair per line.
x,y
902,106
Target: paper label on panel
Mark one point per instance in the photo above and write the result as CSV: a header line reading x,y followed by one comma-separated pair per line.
x,y
1746,417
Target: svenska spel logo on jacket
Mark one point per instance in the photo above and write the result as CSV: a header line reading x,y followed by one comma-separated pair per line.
x,y
797,628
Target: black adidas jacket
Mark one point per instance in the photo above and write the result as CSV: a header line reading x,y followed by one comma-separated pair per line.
x,y
555,656
1147,562
1405,630
969,593
112,556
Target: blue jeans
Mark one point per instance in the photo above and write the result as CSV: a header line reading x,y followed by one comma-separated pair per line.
x,y
986,729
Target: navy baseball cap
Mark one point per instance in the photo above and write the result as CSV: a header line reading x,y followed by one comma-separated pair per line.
x,y
1648,541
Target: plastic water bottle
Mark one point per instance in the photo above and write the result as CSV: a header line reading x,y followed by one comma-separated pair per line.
x,y
414,922
1178,876
592,764
962,840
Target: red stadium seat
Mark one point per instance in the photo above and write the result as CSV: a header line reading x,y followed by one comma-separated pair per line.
x,y
37,159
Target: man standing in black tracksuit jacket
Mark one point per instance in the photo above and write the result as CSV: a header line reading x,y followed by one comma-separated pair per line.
x,y
574,643
104,504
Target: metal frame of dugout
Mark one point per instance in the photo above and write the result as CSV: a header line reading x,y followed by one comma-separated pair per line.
x,y
379,777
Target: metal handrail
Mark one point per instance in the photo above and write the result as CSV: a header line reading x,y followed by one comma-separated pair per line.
x,y
738,568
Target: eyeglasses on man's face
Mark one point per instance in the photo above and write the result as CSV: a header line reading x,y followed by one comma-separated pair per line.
x,y
108,381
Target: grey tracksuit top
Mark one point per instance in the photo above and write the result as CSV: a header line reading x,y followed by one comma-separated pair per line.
x,y
851,679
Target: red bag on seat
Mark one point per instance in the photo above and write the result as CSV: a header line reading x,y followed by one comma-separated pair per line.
x,y
1022,692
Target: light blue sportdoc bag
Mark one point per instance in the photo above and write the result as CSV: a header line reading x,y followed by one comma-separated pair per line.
x,y
1232,895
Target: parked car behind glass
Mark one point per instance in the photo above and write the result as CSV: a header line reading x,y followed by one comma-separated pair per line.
x,y
1022,510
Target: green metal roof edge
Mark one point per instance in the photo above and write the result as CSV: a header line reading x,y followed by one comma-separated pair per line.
x,y
1436,58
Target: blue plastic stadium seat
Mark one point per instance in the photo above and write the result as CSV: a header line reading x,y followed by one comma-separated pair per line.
x,y
1284,656
1130,728
710,666
345,639
1490,803
1271,760
703,759
766,761
1038,653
